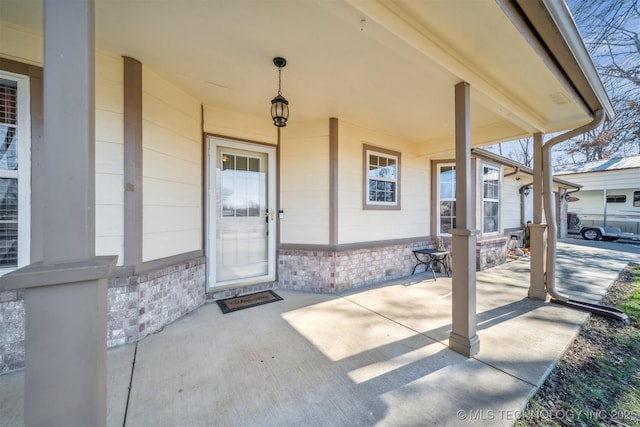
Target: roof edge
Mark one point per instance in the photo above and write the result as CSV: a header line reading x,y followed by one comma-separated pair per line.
x,y
488,155
558,33
565,23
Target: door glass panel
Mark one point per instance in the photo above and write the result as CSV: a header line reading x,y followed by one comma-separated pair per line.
x,y
241,222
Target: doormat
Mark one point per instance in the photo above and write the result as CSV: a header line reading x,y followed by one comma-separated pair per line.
x,y
246,301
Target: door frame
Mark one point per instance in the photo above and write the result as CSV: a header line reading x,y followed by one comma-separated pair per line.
x,y
212,145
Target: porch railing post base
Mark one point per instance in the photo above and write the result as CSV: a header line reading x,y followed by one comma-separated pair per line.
x,y
537,288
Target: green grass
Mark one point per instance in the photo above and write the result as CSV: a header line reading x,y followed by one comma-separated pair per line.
x,y
632,305
607,391
630,399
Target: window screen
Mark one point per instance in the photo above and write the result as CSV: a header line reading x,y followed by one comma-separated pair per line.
x,y
8,174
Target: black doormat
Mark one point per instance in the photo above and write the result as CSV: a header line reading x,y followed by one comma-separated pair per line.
x,y
246,301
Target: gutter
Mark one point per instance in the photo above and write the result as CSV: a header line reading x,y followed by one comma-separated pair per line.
x,y
550,29
488,155
515,171
549,209
561,15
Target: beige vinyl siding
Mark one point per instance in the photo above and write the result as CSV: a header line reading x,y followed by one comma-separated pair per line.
x,y
20,44
109,155
304,186
232,124
510,202
358,225
172,164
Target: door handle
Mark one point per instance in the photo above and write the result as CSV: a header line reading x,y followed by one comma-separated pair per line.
x,y
268,214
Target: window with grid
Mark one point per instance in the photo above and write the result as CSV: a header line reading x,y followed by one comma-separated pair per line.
x,y
14,204
446,198
382,181
490,199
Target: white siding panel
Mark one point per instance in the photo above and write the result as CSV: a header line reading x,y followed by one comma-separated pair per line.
x,y
111,245
109,156
161,245
171,218
109,126
109,231
359,225
233,124
112,224
109,190
170,95
511,203
172,120
109,95
169,193
299,233
20,44
174,145
172,172
304,186
164,167
109,66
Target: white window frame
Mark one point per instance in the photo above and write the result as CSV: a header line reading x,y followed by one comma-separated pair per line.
x,y
439,197
380,152
23,174
498,171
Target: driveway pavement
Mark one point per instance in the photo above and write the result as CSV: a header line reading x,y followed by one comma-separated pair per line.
x,y
374,356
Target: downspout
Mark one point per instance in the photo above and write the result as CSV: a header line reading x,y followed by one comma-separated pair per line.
x,y
515,171
604,217
547,190
523,198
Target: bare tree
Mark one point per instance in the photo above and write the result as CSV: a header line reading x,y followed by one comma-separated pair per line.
x,y
525,152
611,30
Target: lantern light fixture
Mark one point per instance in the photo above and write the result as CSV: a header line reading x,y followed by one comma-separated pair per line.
x,y
526,190
279,104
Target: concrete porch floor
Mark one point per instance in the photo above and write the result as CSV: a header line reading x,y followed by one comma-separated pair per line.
x,y
374,356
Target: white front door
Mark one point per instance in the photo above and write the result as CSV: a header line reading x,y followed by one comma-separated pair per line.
x,y
241,217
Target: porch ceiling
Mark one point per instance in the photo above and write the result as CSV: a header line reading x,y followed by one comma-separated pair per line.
x,y
393,72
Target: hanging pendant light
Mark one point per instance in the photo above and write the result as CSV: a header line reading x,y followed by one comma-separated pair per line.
x,y
279,104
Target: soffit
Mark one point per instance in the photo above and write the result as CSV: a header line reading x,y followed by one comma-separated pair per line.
x,y
393,72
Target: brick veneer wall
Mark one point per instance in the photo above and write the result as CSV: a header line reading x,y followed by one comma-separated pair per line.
x,y
491,252
137,306
334,271
11,330
144,304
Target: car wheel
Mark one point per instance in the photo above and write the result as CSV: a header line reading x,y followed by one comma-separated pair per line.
x,y
591,234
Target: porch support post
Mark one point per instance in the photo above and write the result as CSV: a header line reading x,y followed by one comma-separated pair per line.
x,y
132,79
463,338
66,293
537,288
